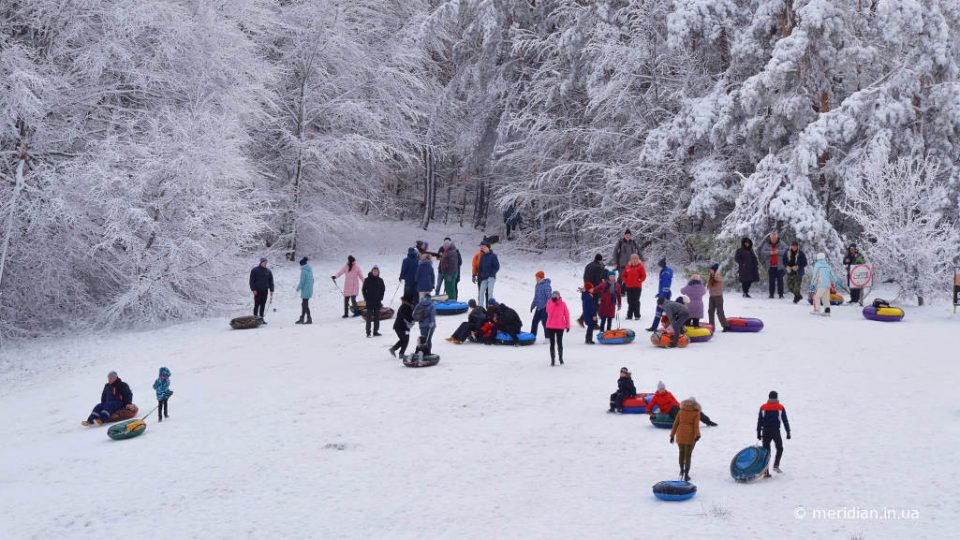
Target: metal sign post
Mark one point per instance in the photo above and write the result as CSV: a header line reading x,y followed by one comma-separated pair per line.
x,y
956,288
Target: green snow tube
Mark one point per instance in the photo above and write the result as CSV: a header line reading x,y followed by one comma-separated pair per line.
x,y
127,430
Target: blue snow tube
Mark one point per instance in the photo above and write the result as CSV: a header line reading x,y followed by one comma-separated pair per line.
x,y
526,338
451,307
620,336
749,463
674,490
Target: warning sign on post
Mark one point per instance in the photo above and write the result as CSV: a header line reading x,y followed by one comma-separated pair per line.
x,y
861,275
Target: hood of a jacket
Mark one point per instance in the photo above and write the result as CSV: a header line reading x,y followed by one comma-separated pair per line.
x,y
690,405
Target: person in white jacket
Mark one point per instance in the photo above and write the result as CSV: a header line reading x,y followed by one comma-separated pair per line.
x,y
820,281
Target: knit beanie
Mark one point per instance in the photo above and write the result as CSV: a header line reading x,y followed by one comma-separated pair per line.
x,y
660,386
662,263
773,394
715,266
540,274
303,261
598,258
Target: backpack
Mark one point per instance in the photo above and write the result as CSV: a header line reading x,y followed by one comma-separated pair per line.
x,y
880,303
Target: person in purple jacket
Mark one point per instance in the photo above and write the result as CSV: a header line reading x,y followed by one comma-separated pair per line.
x,y
695,291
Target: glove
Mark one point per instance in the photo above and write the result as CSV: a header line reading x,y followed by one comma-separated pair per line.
x,y
568,331
696,439
130,406
759,438
531,309
169,393
788,435
254,292
333,278
671,440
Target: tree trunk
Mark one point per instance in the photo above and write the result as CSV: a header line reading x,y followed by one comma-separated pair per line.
x,y
297,177
8,229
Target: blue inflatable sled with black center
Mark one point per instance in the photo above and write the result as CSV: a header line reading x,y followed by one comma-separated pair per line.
x,y
749,463
526,338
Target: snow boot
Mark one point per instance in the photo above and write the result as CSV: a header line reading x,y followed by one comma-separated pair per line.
x,y
309,320
561,359
344,316
826,312
711,423
392,351
777,470
377,334
299,321
89,423
686,476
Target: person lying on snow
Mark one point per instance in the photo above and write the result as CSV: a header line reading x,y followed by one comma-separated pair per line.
x,y
473,325
625,389
667,404
426,315
677,316
505,320
116,395
162,387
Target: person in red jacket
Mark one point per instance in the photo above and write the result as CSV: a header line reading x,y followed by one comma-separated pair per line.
x,y
610,297
633,276
667,404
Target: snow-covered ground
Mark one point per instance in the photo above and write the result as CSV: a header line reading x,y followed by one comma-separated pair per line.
x,y
315,432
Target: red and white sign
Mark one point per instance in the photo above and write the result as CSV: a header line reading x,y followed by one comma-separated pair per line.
x,y
861,275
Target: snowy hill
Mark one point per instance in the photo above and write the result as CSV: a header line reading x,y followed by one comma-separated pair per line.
x,y
316,432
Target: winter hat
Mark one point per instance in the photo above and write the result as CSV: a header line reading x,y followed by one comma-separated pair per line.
x,y
794,243
411,251
588,286
540,274
375,267
773,394
660,386
485,243
695,277
821,256
683,299
112,374
598,258
715,266
662,263
491,302
263,260
164,372
472,303
627,232
303,261
447,239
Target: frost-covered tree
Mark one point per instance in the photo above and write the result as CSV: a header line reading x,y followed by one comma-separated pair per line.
x,y
900,204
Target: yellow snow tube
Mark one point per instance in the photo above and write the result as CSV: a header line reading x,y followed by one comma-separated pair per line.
x,y
890,312
696,332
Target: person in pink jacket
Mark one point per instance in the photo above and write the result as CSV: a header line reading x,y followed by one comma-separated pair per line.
x,y
352,276
558,322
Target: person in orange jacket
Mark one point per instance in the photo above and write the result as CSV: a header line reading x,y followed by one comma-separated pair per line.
x,y
633,276
667,404
476,268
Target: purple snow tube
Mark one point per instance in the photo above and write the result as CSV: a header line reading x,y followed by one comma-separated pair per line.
x,y
886,314
744,324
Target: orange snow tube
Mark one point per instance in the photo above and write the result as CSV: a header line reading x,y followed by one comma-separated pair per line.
x,y
663,339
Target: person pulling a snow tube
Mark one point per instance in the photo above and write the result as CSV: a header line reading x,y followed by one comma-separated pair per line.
x,y
744,324
674,490
625,390
507,325
451,307
617,336
668,406
881,310
115,397
750,463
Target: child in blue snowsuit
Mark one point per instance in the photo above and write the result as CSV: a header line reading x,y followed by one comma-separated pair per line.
x,y
162,387
663,291
426,315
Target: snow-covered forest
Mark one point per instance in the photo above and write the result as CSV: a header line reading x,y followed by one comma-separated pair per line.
x,y
148,145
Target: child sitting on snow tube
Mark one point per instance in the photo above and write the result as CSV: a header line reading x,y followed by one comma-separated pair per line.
x,y
625,389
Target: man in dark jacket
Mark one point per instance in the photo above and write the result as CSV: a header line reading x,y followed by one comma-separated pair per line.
x,y
116,395
748,266
373,291
472,326
425,275
403,324
595,273
261,284
625,247
625,389
677,315
768,427
795,263
487,272
408,273
505,320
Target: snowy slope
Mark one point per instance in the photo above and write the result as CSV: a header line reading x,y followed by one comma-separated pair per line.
x,y
315,432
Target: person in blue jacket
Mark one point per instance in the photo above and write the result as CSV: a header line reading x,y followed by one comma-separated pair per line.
x,y
541,295
768,427
305,288
162,387
589,315
408,273
663,291
487,273
426,316
425,276
115,396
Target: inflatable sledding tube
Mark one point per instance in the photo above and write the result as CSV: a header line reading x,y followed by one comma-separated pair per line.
x,y
244,323
636,405
451,307
749,463
417,361
437,298
663,339
620,336
662,421
123,414
884,314
696,334
127,430
744,324
835,299
361,309
674,490
526,338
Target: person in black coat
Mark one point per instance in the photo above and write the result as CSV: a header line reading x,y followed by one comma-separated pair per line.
x,y
116,395
505,320
403,324
595,273
408,272
373,291
625,389
472,326
261,285
749,266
